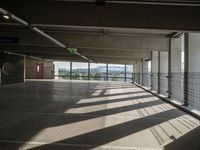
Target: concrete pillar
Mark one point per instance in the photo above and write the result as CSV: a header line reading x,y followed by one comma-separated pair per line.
x,y
194,70
146,74
155,71
56,71
163,72
136,71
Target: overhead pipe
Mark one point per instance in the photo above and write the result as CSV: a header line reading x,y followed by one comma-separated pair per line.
x,y
151,2
22,55
37,30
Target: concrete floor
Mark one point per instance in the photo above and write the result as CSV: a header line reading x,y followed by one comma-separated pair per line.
x,y
91,115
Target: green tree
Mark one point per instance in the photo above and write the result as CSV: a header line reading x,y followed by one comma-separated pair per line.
x,y
115,78
97,76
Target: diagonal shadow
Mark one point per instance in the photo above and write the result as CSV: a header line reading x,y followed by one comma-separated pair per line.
x,y
115,94
110,101
103,136
77,117
36,123
115,87
189,141
127,108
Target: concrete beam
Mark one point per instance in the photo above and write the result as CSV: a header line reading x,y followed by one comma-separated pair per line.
x,y
109,15
88,52
93,41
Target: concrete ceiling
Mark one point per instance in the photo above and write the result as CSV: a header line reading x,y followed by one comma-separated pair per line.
x,y
116,32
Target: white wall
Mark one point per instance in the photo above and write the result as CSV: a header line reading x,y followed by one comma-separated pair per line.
x,y
177,81
163,73
194,70
48,68
155,70
175,55
194,52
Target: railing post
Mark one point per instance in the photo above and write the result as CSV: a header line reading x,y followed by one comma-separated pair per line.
x,y
125,72
142,64
151,74
186,68
70,70
106,72
88,70
169,69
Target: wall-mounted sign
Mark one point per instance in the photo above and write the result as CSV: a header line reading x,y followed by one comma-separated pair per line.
x,y
72,50
8,68
9,40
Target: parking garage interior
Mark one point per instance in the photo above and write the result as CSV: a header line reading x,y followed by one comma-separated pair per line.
x,y
99,74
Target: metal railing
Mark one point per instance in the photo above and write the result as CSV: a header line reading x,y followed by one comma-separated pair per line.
x,y
146,79
164,83
155,81
177,86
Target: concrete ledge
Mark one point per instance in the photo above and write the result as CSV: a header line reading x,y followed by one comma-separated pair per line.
x,y
195,113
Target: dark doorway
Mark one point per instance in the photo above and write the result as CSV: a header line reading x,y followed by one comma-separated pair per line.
x,y
39,71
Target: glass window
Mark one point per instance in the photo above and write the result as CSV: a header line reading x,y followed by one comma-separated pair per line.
x,y
79,71
97,71
61,70
129,73
116,72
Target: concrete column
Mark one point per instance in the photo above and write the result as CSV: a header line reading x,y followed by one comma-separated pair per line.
x,y
186,68
139,77
88,71
163,80
194,70
55,71
70,70
155,71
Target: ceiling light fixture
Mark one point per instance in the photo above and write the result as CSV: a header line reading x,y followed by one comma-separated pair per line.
x,y
6,16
